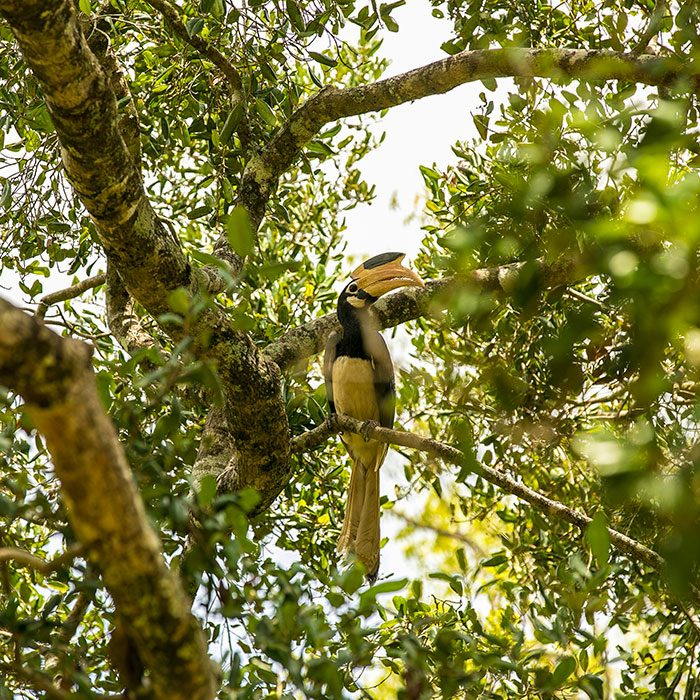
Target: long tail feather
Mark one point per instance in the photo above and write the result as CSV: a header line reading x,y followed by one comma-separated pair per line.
x,y
367,538
353,508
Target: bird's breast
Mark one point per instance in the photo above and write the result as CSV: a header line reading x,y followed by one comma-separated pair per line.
x,y
353,388
353,395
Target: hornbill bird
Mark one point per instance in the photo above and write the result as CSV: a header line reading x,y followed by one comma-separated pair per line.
x,y
360,383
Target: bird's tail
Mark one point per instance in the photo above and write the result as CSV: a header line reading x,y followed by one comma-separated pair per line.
x,y
360,531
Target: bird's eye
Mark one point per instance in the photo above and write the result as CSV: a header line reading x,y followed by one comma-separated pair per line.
x,y
352,288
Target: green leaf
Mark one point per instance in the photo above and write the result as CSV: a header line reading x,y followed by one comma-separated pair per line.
x,y
179,300
295,16
351,579
198,212
563,670
387,587
239,231
85,6
495,560
248,498
265,112
194,25
598,538
233,119
325,60
207,490
481,122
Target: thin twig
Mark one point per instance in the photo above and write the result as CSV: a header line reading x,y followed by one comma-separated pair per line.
x,y
653,26
68,293
584,297
440,531
22,556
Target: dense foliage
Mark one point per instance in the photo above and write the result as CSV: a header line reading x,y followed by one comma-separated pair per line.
x,y
585,392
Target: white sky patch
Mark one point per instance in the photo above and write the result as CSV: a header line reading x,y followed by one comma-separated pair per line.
x,y
417,133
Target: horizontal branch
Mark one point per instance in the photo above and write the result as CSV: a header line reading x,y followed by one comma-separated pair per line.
x,y
412,302
68,293
263,172
340,423
55,378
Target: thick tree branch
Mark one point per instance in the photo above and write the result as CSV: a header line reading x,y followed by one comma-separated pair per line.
x,y
147,256
554,509
54,376
410,303
68,293
263,171
98,162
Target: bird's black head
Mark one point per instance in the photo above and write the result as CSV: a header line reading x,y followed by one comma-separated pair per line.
x,y
372,279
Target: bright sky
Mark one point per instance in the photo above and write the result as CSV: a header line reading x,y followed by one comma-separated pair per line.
x,y
418,133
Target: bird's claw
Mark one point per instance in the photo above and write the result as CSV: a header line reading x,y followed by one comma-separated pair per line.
x,y
367,427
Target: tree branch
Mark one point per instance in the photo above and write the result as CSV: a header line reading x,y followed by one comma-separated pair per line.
x,y
122,320
55,378
653,26
83,108
340,423
37,680
68,293
412,302
147,256
21,556
263,171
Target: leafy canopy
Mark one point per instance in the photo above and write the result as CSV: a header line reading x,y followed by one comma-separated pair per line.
x,y
584,392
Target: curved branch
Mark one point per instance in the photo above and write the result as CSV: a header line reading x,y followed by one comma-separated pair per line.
x,y
68,293
263,171
412,302
55,378
21,556
147,256
340,423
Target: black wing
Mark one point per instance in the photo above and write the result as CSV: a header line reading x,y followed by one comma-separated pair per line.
x,y
328,360
384,388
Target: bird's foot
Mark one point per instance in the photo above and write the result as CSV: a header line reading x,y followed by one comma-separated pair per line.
x,y
367,427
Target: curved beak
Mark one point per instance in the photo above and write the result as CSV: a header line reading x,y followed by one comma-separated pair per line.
x,y
383,273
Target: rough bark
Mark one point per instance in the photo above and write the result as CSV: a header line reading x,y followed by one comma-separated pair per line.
x,y
97,160
147,257
55,378
68,293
